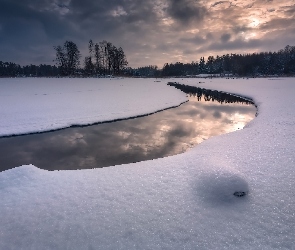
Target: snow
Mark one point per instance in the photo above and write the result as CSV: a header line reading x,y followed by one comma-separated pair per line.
x,y
33,105
184,201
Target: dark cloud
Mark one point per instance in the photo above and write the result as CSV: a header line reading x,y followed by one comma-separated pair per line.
x,y
197,39
217,114
289,11
18,20
271,10
186,11
209,36
218,3
30,24
24,29
278,23
236,44
225,38
150,31
241,28
249,6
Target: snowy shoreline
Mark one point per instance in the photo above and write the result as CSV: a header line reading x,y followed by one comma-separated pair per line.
x,y
33,105
92,124
184,201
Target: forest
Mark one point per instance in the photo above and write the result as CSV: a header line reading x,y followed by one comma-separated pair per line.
x,y
251,65
106,59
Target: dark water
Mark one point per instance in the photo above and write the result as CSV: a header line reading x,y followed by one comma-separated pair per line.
x,y
162,134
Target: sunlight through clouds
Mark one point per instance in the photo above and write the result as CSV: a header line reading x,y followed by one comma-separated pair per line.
x,y
169,28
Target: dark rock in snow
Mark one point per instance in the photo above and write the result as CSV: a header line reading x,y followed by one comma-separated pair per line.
x,y
240,194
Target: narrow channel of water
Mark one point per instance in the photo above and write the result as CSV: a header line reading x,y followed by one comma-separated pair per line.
x,y
173,131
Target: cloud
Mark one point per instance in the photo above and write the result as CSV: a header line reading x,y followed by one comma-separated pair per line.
x,y
186,11
236,45
271,10
24,29
149,31
241,28
225,37
289,11
197,39
249,6
28,24
278,23
218,3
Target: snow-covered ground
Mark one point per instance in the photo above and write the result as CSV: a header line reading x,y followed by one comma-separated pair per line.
x,y
179,202
35,105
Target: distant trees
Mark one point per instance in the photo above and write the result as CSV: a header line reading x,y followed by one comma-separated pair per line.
x,y
150,71
9,69
104,58
89,65
255,64
202,65
42,70
180,69
67,58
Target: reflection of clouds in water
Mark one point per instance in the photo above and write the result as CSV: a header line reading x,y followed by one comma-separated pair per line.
x,y
88,161
230,108
217,114
193,112
123,134
227,120
188,120
76,138
181,131
229,117
162,134
165,128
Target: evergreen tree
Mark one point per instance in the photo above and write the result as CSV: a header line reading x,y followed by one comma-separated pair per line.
x,y
202,66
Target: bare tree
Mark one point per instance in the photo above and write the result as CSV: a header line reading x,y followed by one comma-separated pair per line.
x,y
67,58
108,58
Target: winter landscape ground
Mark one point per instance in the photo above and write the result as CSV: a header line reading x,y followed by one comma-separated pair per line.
x,y
184,201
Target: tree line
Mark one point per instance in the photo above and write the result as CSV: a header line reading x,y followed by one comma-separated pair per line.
x,y
104,59
255,64
9,69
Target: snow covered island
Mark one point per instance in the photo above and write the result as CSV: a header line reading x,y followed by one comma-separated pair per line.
x,y
184,201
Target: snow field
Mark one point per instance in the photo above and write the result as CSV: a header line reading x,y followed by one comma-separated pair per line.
x,y
36,105
180,202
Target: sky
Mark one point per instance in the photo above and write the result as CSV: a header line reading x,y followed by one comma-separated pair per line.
x,y
151,32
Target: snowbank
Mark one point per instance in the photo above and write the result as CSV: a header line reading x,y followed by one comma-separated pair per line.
x,y
180,202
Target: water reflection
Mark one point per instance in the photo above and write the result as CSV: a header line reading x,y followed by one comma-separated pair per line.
x,y
162,134
209,95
